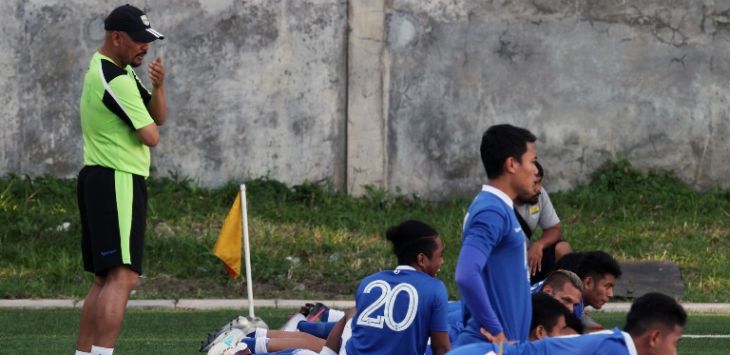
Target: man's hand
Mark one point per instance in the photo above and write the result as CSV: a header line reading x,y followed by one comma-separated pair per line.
x,y
494,339
534,257
156,73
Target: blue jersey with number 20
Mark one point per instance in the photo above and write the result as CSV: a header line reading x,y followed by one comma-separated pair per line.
x,y
396,312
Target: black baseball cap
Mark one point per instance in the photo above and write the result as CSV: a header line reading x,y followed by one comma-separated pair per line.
x,y
134,22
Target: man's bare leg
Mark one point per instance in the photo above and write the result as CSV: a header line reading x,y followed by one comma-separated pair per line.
x,y
280,340
112,303
88,316
562,249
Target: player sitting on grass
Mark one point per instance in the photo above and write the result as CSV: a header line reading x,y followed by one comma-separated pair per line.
x,y
396,310
653,327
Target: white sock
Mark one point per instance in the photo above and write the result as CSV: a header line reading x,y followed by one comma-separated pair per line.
x,y
261,333
327,351
261,345
98,350
335,315
79,352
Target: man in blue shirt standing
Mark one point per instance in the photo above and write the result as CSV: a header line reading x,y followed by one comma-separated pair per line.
x,y
492,272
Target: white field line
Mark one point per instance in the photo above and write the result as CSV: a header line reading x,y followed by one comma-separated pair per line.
x,y
706,336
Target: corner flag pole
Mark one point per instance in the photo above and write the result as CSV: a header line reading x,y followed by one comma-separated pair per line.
x,y
247,250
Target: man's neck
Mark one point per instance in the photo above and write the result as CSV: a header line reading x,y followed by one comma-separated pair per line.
x,y
105,51
504,186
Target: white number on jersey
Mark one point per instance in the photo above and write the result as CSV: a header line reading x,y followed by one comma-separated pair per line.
x,y
387,300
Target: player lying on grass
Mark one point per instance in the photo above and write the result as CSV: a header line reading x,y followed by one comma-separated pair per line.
x,y
397,311
598,272
565,286
653,327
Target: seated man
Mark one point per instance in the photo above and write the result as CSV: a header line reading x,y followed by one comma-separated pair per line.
x,y
537,210
565,286
599,272
653,326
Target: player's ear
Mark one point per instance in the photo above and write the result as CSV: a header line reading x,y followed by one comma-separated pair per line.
x,y
588,282
421,259
654,337
509,164
540,332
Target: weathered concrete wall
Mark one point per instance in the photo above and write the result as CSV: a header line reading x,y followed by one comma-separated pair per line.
x,y
255,88
646,80
394,93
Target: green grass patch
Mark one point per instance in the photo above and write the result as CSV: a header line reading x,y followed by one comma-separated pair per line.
x,y
309,241
180,332
697,324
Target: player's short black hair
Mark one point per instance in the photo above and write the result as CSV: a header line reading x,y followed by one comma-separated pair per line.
x,y
596,264
651,310
545,311
574,322
500,142
411,238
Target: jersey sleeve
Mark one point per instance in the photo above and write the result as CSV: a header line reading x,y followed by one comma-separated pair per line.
x,y
548,216
440,309
484,231
127,94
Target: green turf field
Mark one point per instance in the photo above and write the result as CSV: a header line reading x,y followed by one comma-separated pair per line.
x,y
171,332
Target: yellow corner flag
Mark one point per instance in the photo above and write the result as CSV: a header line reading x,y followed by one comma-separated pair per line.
x,y
228,246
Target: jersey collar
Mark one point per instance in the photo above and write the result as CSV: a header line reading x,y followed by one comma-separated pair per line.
x,y
630,344
502,196
405,267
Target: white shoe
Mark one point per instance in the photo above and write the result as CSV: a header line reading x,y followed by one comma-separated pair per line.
x,y
229,344
214,339
240,322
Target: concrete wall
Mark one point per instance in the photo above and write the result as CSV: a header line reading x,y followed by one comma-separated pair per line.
x,y
594,80
255,88
394,93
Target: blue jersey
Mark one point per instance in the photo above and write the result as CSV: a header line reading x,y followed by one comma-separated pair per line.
x,y
491,227
396,312
607,342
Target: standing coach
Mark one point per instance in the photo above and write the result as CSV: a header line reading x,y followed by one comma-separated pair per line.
x,y
119,119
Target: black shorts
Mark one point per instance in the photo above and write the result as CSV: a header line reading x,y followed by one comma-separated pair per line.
x,y
113,208
547,265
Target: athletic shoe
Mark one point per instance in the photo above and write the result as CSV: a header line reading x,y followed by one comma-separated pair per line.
x,y
317,313
305,310
221,336
230,346
240,322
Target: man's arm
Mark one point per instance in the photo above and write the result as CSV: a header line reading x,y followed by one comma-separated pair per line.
x,y
334,339
549,237
473,291
158,104
149,135
551,232
440,343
